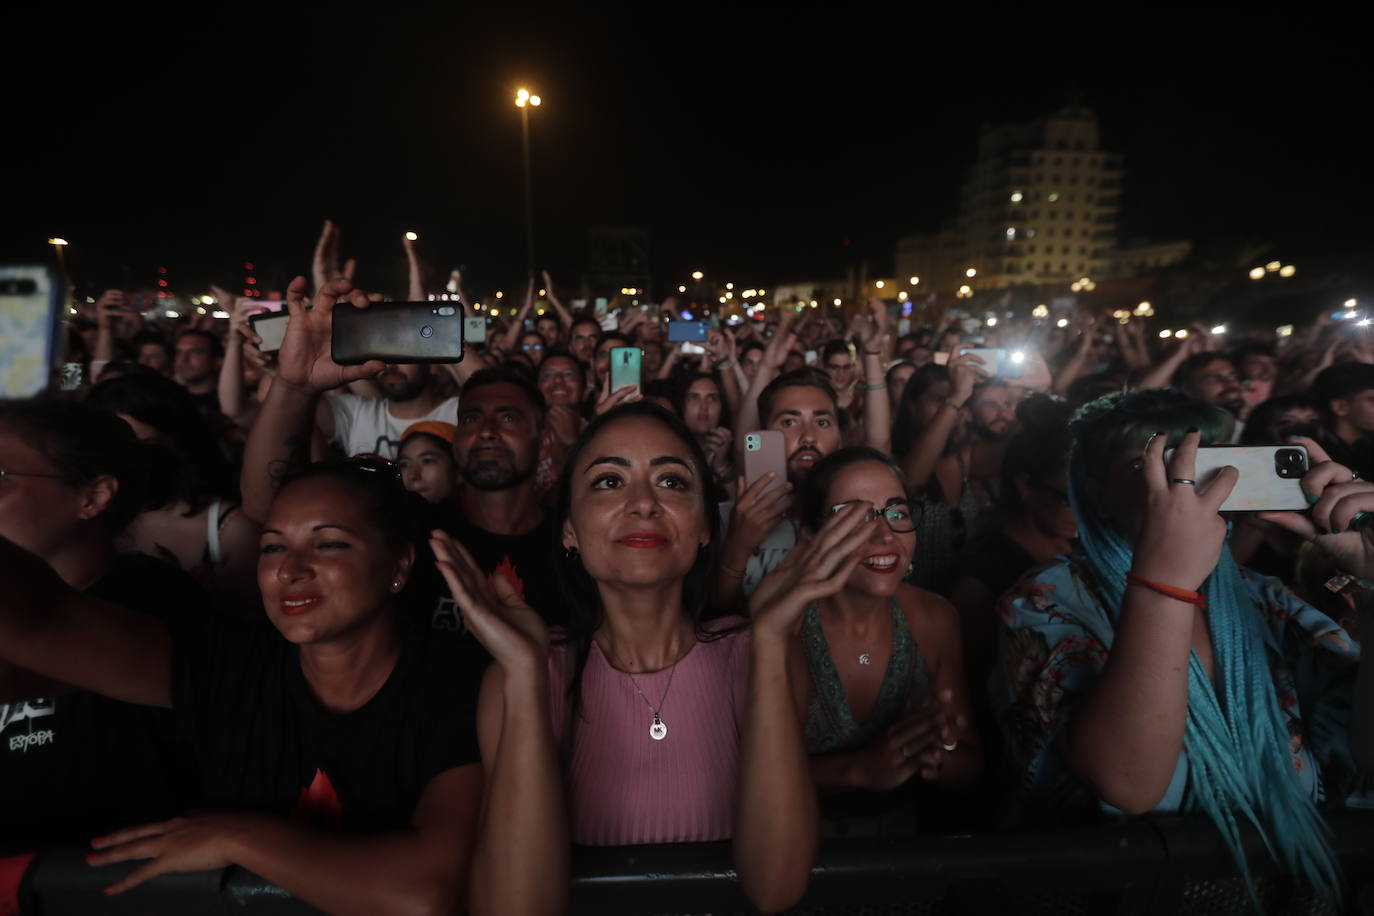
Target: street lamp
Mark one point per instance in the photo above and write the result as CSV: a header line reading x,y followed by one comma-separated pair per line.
x,y
57,245
524,100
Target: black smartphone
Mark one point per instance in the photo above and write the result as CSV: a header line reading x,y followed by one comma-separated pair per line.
x,y
398,332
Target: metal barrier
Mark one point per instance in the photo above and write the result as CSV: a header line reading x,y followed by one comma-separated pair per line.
x,y
1156,867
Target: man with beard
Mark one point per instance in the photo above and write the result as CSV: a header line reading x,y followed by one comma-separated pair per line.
x,y
761,530
373,426
497,512
1212,379
973,470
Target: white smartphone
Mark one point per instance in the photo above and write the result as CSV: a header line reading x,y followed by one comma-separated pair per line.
x,y
998,362
474,330
271,327
1270,475
32,300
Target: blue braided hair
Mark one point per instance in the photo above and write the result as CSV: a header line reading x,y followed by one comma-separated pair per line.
x,y
1236,739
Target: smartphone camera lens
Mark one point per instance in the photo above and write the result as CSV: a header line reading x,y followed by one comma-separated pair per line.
x,y
1290,463
427,332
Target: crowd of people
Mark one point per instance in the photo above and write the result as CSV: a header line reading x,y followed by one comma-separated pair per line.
x,y
398,636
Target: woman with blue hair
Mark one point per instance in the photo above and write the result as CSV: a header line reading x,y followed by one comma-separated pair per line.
x,y
1150,673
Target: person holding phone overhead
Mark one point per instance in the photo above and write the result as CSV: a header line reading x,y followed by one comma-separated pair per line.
x,y
1126,680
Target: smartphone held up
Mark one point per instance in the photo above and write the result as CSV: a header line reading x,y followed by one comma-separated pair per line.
x,y
398,332
1270,475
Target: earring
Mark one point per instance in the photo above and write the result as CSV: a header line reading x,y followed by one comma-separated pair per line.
x,y
396,585
570,553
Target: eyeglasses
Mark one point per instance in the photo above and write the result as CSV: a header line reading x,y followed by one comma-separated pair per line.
x,y
6,472
532,347
901,515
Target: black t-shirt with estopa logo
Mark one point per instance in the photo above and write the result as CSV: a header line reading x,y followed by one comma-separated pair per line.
x,y
80,765
266,744
525,560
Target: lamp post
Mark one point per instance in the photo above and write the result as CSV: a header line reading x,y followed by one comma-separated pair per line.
x,y
57,246
525,101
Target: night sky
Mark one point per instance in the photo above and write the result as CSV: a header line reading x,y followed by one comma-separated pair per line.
x,y
754,145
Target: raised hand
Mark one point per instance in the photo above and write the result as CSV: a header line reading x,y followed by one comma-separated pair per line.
x,y
757,513
325,266
416,289
242,309
917,742
305,359
716,444
1342,508
1181,538
608,399
498,616
965,371
813,570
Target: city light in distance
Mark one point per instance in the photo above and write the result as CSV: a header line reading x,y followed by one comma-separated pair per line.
x,y
682,289
499,294
837,303
1284,330
1350,304
971,272
535,100
1165,333
1287,270
879,284
992,321
543,292
1257,273
58,242
1016,197
411,237
171,314
1063,322
219,314
915,280
1181,333
722,300
1219,329
697,275
902,297
1041,311
729,286
1273,266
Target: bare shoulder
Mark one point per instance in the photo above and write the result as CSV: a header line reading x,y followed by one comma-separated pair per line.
x,y
932,618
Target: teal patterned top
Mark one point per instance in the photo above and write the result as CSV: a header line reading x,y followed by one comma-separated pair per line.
x,y
907,682
1055,641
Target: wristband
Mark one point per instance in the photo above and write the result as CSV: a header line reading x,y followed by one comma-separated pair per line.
x,y
1197,599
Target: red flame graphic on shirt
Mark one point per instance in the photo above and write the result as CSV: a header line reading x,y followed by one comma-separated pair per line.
x,y
507,568
318,801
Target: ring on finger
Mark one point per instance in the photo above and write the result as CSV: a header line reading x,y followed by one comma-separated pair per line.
x,y
951,746
1188,480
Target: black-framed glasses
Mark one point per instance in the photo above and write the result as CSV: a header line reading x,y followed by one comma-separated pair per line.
x,y
6,472
901,515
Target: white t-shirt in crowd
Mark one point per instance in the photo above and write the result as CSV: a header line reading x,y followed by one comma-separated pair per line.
x,y
769,555
365,426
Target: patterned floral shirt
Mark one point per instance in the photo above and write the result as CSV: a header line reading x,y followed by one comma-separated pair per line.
x,y
1054,643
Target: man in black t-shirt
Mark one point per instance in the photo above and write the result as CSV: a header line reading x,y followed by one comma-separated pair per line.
x,y
497,513
78,765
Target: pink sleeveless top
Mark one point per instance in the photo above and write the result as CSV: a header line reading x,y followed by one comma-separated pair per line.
x,y
625,788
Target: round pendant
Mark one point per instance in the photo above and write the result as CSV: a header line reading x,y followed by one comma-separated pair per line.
x,y
864,659
658,731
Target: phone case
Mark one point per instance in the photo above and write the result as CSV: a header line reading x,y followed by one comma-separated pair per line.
x,y
624,367
474,330
1260,487
271,327
764,451
398,332
996,361
686,331
31,311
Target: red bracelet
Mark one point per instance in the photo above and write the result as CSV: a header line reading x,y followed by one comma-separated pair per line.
x,y
1178,594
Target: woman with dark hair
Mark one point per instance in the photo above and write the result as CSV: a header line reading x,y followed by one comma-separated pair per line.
x,y
71,477
888,699
425,460
665,728
288,719
701,404
200,528
1149,672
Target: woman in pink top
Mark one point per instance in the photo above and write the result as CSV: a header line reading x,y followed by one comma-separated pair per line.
x,y
663,728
